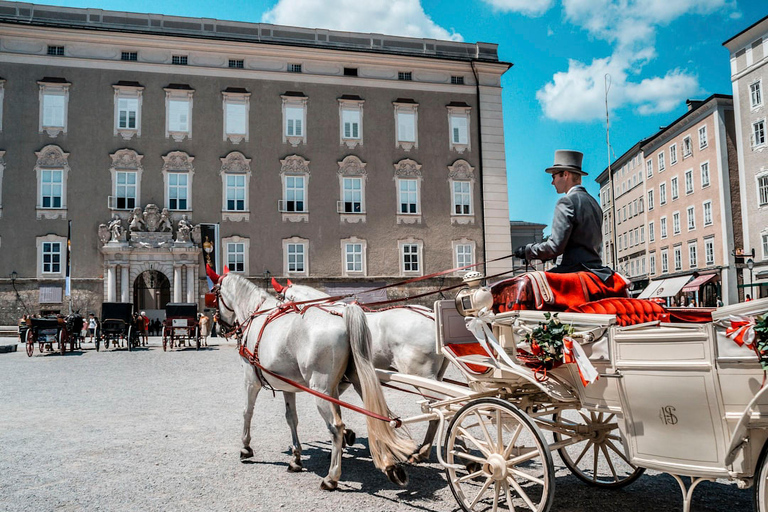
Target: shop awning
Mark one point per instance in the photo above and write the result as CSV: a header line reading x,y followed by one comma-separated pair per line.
x,y
665,287
697,283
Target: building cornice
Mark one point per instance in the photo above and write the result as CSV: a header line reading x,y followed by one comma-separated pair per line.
x,y
692,117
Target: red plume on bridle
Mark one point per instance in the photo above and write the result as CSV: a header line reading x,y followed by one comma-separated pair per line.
x,y
277,286
290,283
212,275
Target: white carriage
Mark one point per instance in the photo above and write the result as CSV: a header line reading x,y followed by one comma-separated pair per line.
x,y
682,398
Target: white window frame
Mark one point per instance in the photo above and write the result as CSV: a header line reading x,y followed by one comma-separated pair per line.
x,y
678,257
419,256
693,254
691,213
676,223
51,157
709,248
460,172
662,165
352,241
49,90
703,136
246,244
463,244
178,162
463,113
290,185
662,193
762,198
688,177
125,160
238,99
704,171
707,206
753,135
673,154
651,232
132,93
650,199
408,169
687,147
649,168
235,164
764,240
348,110
406,109
287,242
663,227
294,102
294,166
674,187
351,167
752,103
177,96
55,239
665,261
652,264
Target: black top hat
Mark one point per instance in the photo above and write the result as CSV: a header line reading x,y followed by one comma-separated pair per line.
x,y
567,160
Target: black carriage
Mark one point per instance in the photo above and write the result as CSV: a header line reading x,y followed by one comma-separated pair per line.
x,y
53,331
180,326
117,324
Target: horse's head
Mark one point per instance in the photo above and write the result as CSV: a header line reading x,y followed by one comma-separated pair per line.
x,y
238,298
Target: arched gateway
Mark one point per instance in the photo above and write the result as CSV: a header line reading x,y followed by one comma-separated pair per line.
x,y
151,257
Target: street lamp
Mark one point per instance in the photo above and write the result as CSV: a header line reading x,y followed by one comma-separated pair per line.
x,y
208,248
750,266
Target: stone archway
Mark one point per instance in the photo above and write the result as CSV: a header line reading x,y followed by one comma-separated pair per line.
x,y
151,290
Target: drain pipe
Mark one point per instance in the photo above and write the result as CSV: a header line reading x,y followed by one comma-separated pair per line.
x,y
480,162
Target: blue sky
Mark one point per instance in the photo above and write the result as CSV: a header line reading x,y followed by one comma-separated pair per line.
x,y
658,52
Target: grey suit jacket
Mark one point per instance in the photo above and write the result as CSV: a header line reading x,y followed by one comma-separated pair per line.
x,y
577,234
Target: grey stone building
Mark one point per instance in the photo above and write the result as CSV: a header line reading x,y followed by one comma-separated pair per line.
x,y
309,154
749,76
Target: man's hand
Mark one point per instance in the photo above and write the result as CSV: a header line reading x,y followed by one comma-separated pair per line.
x,y
520,252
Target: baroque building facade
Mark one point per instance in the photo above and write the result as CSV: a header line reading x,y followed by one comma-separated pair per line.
x,y
272,151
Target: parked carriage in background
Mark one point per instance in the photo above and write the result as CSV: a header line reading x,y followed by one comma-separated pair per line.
x,y
180,326
117,325
52,330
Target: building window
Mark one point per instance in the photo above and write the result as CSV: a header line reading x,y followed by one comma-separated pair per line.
x,y
691,218
178,112
51,188
709,251
235,177
57,51
662,193
128,101
664,261
458,124
294,175
51,258
350,71
352,176
178,191
673,154
294,68
129,56
294,118
652,263
678,251
674,187
703,141
52,170
54,104
463,251
755,94
408,195
126,171
705,174
125,190
236,257
405,75
177,174
406,124
127,113
352,195
676,223
650,200
663,223
642,234
758,133
462,198
353,258
689,181
687,147
707,213
692,256
236,63
235,192
649,168
236,105
351,120
408,184
661,161
296,256
294,194
410,256
764,237
179,60
762,190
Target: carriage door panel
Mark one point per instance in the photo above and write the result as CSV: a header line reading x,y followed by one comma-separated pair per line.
x,y
670,396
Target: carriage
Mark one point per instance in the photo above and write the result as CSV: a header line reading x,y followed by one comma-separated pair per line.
x,y
180,326
117,325
52,330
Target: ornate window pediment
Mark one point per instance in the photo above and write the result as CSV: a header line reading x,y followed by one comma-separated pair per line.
x,y
352,180
352,166
294,174
236,177
178,161
126,171
461,180
408,168
461,170
407,178
178,173
52,169
294,164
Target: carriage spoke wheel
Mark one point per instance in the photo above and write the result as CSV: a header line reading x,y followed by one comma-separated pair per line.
x,y
498,459
30,343
597,457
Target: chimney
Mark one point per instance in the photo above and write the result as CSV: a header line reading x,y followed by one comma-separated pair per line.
x,y
693,104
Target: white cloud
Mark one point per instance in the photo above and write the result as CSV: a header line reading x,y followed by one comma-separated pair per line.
x,y
578,94
526,7
394,17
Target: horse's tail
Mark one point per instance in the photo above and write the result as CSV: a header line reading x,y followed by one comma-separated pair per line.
x,y
388,446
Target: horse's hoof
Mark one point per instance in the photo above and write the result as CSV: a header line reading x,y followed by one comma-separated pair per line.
x,y
349,437
328,485
418,457
397,475
246,453
294,467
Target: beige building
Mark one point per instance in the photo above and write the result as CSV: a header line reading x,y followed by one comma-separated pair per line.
x,y
340,158
692,203
749,75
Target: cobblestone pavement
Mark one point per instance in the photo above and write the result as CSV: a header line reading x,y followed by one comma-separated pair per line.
x,y
148,430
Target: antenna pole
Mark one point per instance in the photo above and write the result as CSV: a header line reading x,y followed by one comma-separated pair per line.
x,y
614,259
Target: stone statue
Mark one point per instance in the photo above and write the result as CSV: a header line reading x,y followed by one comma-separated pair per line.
x,y
197,234
184,229
165,221
104,234
115,227
137,221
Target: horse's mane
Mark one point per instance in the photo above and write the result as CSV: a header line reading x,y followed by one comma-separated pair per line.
x,y
246,296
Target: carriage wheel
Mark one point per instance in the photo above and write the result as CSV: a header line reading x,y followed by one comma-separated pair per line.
x,y
197,338
498,459
106,342
30,343
97,342
165,343
598,458
761,482
40,346
129,340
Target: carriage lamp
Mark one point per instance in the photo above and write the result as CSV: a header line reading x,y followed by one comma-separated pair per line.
x,y
208,248
473,297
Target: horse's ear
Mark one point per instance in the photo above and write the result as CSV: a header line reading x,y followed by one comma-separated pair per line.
x,y
290,283
277,286
212,275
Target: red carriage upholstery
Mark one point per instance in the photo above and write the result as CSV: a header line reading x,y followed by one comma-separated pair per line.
x,y
469,349
638,311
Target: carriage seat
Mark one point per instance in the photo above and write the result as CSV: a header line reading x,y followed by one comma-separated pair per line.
x,y
468,349
638,311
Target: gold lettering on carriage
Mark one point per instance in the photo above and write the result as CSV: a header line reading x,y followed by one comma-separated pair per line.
x,y
667,415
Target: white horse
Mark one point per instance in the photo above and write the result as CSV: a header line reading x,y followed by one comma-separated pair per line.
x,y
402,339
311,349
